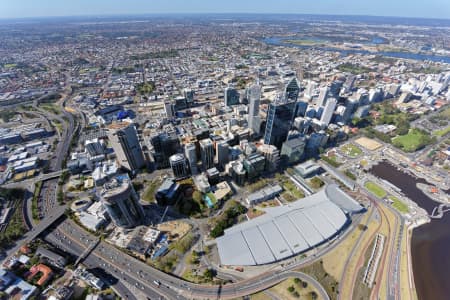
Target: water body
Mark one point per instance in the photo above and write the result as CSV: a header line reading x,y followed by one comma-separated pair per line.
x,y
430,243
278,41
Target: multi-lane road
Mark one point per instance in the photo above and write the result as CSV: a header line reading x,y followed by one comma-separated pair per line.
x,y
67,234
124,269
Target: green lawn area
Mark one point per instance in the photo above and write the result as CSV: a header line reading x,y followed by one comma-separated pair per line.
x,y
414,140
375,189
57,124
331,160
16,226
257,185
353,68
149,194
442,132
292,188
350,175
10,66
305,42
52,108
145,88
351,150
316,182
398,204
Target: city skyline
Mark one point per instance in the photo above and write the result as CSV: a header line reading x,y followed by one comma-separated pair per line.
x,y
50,8
153,155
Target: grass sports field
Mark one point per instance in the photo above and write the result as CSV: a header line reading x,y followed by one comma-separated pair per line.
x,y
398,204
351,150
375,189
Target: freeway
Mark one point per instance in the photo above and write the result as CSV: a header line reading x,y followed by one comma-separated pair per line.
x,y
41,177
74,242
37,230
110,258
91,263
143,276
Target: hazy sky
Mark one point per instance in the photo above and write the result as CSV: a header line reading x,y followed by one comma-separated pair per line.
x,y
406,8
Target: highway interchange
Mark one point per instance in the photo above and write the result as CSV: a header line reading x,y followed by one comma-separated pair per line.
x,y
119,268
70,238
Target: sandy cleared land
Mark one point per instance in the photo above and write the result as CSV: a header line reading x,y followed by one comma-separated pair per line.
x,y
175,228
259,296
281,290
336,266
369,144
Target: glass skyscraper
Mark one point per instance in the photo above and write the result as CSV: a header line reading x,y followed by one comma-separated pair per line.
x,y
279,120
253,112
292,90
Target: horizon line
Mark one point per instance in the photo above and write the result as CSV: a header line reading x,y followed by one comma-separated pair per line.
x,y
216,13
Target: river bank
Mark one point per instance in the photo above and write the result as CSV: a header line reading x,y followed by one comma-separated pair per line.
x,y
429,243
282,41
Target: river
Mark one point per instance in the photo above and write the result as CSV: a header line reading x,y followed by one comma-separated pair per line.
x,y
279,41
430,243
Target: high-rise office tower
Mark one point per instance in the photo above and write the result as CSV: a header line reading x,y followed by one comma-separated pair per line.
x,y
254,165
191,154
231,96
223,152
168,109
253,111
348,84
165,144
335,88
310,112
328,111
124,140
207,153
292,150
121,202
189,96
302,124
341,113
279,119
394,89
271,154
310,89
292,90
375,95
323,95
179,166
300,109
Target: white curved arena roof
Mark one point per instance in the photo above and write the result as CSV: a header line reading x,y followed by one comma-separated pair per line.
x,y
287,230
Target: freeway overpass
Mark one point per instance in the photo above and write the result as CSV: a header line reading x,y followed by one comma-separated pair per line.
x,y
142,275
41,177
38,229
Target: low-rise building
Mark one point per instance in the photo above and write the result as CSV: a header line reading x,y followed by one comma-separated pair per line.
x,y
168,192
264,194
53,258
307,169
15,287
